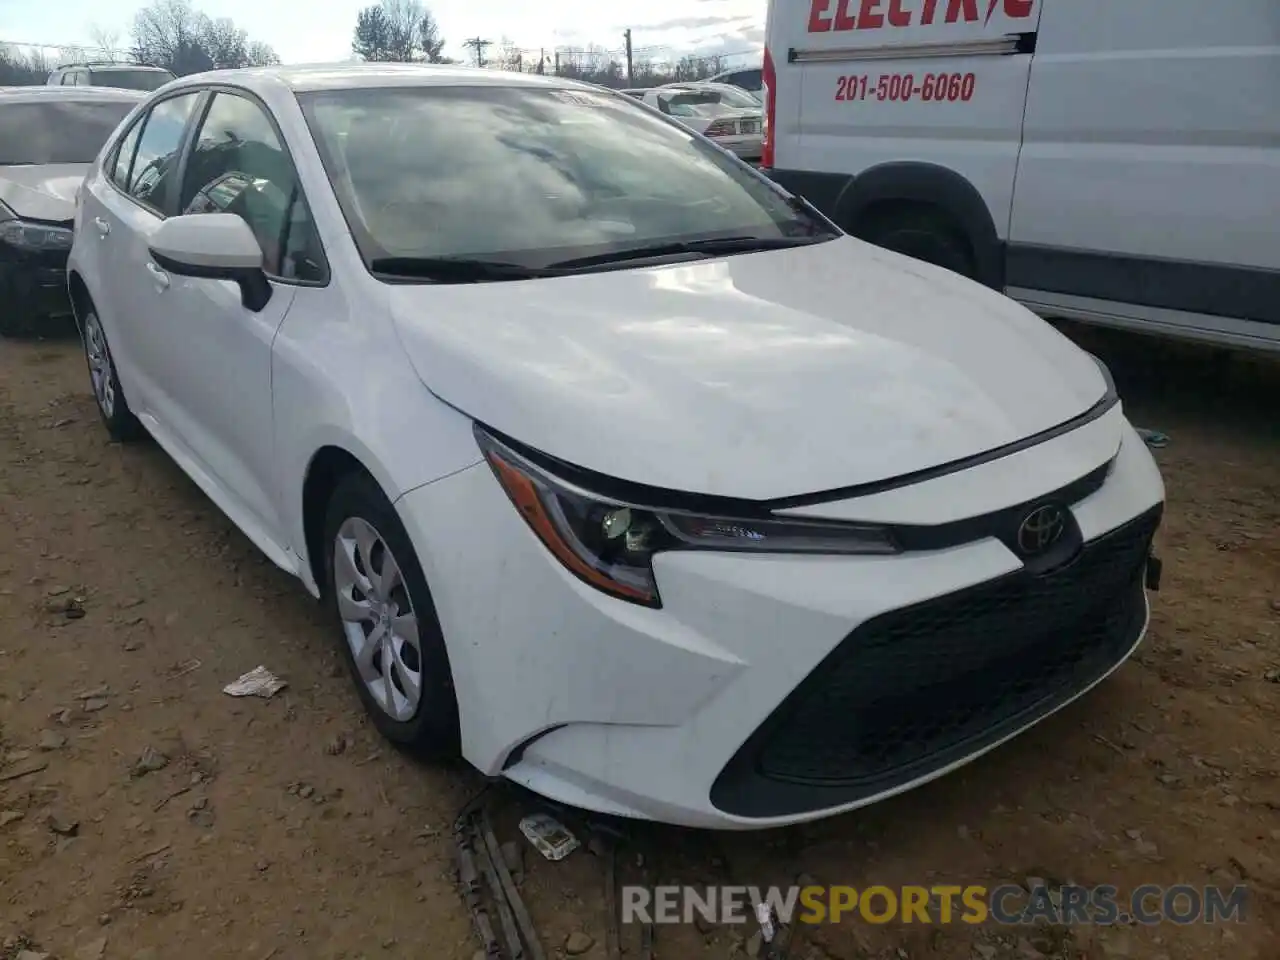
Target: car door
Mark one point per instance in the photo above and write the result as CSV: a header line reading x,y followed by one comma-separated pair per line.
x,y
212,354
128,208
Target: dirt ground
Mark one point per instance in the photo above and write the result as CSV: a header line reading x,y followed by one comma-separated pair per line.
x,y
143,813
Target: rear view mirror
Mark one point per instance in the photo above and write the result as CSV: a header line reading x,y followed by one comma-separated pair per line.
x,y
213,246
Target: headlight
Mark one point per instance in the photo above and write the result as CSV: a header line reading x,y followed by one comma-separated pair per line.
x,y
610,543
34,236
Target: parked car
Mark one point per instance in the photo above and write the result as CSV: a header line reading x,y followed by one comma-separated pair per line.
x,y
1101,161
127,76
748,78
727,93
621,471
48,138
715,111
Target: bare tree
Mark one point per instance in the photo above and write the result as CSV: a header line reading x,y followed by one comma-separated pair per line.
x,y
174,34
398,31
106,42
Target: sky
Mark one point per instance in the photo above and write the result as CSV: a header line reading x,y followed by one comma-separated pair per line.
x,y
303,31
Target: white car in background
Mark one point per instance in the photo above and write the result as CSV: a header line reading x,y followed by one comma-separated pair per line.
x,y
730,116
621,471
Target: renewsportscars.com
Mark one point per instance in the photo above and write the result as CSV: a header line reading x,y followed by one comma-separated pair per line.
x,y
1010,904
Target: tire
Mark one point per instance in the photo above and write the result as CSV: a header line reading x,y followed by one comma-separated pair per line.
x,y
119,420
361,531
923,235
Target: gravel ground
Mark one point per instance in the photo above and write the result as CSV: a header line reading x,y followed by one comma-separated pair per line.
x,y
143,813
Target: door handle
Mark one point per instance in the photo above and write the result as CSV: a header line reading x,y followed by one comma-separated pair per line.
x,y
159,276
103,227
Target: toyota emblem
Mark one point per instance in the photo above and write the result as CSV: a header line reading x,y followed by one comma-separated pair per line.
x,y
1042,528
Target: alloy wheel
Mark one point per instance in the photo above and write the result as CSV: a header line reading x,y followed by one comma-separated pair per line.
x,y
378,619
100,369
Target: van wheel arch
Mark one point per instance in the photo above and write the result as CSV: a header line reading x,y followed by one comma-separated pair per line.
x,y
912,188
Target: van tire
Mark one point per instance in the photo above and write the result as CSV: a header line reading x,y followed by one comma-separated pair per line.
x,y
923,234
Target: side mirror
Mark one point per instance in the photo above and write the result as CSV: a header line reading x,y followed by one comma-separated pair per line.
x,y
213,246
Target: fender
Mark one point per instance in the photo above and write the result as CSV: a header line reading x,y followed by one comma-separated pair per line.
x,y
846,199
918,182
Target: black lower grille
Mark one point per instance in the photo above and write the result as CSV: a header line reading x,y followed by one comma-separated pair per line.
x,y
916,689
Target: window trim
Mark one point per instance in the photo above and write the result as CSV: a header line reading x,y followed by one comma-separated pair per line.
x,y
183,143
211,91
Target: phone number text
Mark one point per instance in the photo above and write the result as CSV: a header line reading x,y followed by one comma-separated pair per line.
x,y
927,87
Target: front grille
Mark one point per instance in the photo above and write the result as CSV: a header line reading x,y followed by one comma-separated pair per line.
x,y
915,689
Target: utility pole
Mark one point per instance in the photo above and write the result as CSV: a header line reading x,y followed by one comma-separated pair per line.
x,y
478,46
631,79
557,63
542,59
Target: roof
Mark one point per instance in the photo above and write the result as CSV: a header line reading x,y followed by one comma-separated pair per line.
x,y
72,94
344,76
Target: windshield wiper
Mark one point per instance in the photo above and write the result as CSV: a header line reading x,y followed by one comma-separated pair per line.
x,y
711,245
455,269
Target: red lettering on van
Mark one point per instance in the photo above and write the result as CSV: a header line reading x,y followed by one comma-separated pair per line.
x,y
1013,9
844,19
816,22
897,16
869,15
969,7
926,15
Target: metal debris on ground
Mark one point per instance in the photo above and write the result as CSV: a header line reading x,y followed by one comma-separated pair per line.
x,y
1153,438
551,838
258,682
487,886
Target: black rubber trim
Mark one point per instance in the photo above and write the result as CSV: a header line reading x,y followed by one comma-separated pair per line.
x,y
1247,293
1003,524
846,199
1098,410
644,495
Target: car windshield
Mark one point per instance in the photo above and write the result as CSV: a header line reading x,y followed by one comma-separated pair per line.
x,y
532,175
61,131
130,79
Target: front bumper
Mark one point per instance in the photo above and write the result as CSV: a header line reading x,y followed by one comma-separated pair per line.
x,y
33,286
775,689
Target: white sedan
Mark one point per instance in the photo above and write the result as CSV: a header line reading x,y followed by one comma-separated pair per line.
x,y
622,472
727,115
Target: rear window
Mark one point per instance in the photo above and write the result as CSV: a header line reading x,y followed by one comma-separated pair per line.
x,y
67,131
130,79
696,105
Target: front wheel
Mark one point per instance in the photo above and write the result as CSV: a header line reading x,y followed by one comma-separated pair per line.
x,y
119,420
391,637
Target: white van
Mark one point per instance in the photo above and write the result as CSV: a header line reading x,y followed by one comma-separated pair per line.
x,y
1113,161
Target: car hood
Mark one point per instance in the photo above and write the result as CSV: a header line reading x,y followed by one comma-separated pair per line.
x,y
46,192
757,376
